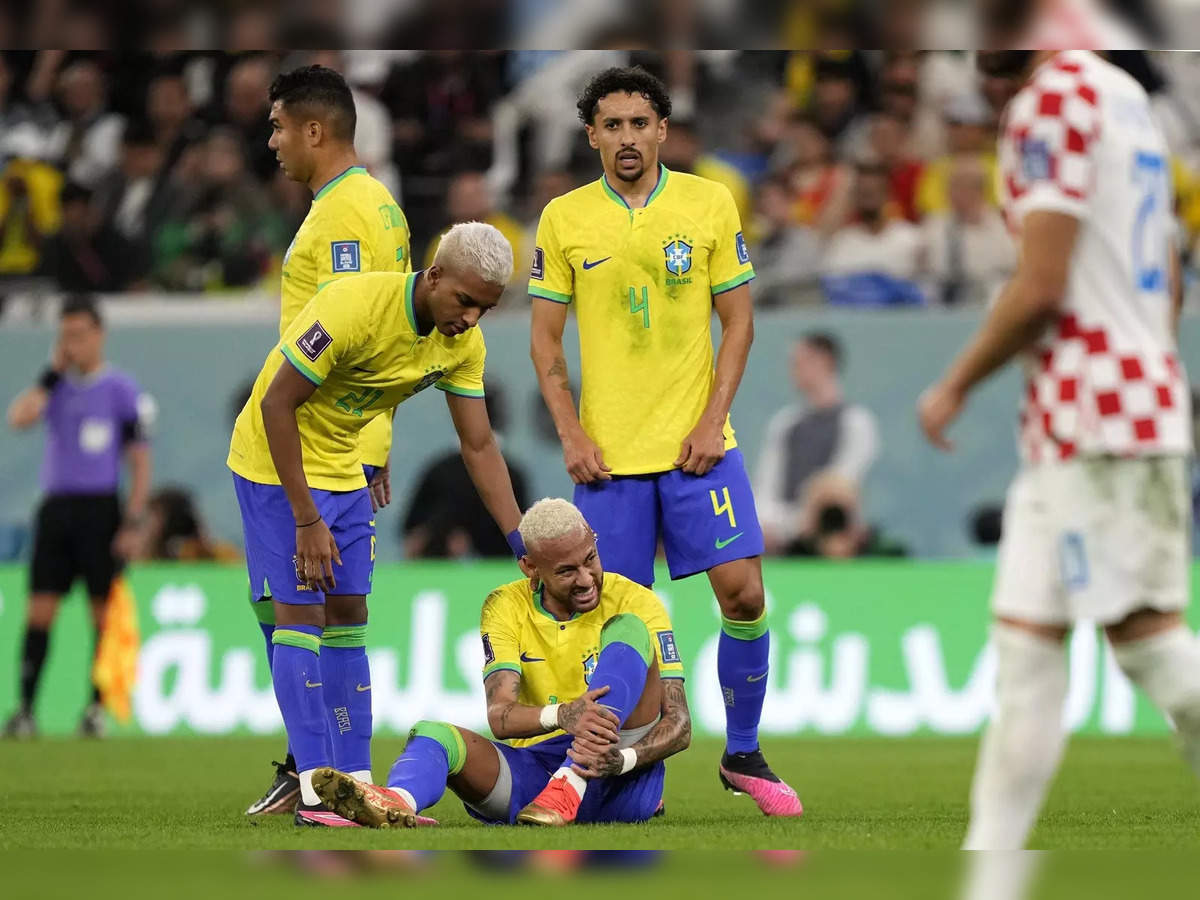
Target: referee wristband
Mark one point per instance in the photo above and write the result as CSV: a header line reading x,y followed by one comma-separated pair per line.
x,y
549,716
628,759
49,378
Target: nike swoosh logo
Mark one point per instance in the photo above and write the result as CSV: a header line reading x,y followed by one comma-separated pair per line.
x,y
588,265
526,658
361,369
309,684
756,678
722,544
360,688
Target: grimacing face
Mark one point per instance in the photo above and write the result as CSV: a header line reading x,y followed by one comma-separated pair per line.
x,y
458,298
292,143
568,569
627,131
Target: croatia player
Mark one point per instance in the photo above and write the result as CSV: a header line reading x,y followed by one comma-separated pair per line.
x,y
646,254
353,226
1096,520
357,350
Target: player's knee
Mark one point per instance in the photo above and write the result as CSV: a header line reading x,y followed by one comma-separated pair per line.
x,y
745,603
345,610
447,736
626,628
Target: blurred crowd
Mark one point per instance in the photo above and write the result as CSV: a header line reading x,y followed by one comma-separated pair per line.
x,y
863,178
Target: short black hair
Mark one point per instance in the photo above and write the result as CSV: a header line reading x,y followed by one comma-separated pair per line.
x,y
320,92
81,304
623,79
826,343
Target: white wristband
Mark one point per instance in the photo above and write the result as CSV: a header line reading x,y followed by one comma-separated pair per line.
x,y
629,757
549,716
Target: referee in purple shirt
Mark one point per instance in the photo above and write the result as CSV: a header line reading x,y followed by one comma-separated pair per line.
x,y
94,416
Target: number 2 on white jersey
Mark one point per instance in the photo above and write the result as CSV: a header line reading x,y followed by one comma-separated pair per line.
x,y
1149,236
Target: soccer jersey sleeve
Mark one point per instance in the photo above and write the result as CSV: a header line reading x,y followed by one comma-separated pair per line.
x,y
327,331
348,246
466,379
551,276
497,628
646,605
1049,139
729,266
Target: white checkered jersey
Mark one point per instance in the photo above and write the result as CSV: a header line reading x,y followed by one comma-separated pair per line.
x,y
1104,378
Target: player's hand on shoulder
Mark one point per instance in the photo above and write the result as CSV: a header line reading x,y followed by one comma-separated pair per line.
x,y
586,718
702,449
584,460
316,552
937,408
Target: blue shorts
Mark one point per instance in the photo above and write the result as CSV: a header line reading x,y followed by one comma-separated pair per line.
x,y
270,533
704,520
624,798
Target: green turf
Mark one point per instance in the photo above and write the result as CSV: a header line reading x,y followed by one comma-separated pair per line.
x,y
189,793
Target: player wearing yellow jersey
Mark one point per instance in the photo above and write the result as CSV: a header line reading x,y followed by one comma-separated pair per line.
x,y
353,226
357,350
584,681
645,255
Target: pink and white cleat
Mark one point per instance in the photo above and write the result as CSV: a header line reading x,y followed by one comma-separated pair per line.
x,y
365,804
748,773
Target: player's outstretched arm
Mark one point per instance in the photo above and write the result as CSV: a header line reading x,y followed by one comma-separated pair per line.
x,y
316,550
670,735
483,460
1025,306
704,446
584,460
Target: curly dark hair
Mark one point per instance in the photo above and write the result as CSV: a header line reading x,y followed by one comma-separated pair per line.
x,y
319,92
626,79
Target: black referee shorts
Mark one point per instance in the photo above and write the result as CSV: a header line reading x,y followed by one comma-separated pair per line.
x,y
74,540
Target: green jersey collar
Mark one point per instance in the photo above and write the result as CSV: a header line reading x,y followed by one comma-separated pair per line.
x,y
663,173
333,181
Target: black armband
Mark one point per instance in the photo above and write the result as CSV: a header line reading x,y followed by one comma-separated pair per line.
x,y
49,378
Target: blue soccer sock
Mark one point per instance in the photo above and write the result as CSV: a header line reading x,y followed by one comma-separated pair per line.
x,y
296,672
624,661
347,676
434,752
742,653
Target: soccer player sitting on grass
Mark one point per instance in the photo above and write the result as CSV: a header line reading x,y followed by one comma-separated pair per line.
x,y
568,630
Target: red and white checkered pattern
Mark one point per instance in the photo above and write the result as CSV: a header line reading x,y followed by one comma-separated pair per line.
x,y
1104,378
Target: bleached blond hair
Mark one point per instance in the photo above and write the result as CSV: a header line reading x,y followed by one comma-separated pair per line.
x,y
479,247
549,519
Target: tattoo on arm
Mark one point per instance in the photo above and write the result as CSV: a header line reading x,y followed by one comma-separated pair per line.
x,y
558,369
502,689
673,731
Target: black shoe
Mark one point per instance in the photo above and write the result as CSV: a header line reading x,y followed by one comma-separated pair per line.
x,y
21,725
281,797
319,816
93,724
748,773
753,764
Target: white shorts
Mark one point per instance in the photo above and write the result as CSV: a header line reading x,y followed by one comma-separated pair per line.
x,y
1094,539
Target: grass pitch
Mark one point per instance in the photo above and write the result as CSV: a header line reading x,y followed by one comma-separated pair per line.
x,y
189,793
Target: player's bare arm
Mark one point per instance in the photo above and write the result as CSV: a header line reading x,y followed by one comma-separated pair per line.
x,y
316,550
137,457
704,446
671,734
484,462
509,718
584,460
1027,303
1175,285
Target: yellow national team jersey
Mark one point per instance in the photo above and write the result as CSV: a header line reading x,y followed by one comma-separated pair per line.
x,y
353,226
555,659
642,281
357,341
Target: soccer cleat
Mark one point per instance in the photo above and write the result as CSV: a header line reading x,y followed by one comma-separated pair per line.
x,y
21,725
748,773
93,724
365,804
319,816
557,805
281,797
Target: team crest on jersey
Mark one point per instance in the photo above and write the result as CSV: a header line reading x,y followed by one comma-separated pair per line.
x,y
1035,159
589,666
678,255
345,256
538,269
314,342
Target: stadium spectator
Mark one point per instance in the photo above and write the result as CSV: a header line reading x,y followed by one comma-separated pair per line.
x,y
247,110
86,144
172,115
821,184
469,199
832,523
87,254
173,531
900,96
970,252
29,201
445,518
887,145
683,152
95,417
837,95
822,434
786,255
968,124
874,260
